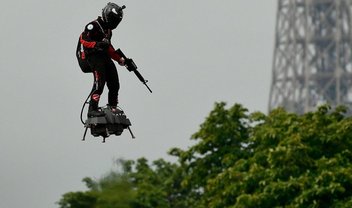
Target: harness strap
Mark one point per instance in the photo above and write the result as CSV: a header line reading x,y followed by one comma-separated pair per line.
x,y
102,30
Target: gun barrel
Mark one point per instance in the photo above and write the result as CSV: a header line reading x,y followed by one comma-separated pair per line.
x,y
140,77
131,66
148,87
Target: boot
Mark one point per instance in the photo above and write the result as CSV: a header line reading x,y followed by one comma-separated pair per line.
x,y
114,109
94,112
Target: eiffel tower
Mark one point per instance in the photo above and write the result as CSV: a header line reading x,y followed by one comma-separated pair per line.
x,y
312,61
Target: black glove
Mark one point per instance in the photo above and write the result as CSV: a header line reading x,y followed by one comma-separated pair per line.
x,y
102,45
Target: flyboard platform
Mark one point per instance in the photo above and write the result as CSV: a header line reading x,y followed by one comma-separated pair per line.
x,y
112,123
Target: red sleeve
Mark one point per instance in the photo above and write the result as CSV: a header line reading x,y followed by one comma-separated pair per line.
x,y
87,44
113,54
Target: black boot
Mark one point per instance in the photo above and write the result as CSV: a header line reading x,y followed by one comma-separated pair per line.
x,y
114,109
94,112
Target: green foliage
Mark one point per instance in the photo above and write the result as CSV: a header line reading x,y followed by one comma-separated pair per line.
x,y
78,200
136,185
154,185
296,161
239,160
111,191
222,140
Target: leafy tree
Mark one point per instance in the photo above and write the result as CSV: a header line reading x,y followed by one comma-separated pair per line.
x,y
156,185
136,185
239,160
78,200
111,191
222,139
296,161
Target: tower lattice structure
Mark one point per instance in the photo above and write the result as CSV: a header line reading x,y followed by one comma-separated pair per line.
x,y
312,61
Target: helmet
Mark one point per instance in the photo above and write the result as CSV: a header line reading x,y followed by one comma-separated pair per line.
x,y
112,15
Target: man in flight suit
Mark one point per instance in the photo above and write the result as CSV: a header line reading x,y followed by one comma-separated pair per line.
x,y
95,47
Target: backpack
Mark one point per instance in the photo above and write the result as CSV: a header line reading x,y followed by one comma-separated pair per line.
x,y
81,58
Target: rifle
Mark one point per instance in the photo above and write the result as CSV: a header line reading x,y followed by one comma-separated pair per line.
x,y
131,66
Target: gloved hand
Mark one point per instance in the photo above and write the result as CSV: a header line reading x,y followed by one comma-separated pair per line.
x,y
102,45
122,61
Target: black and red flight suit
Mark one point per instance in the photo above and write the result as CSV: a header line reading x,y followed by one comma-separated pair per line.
x,y
99,54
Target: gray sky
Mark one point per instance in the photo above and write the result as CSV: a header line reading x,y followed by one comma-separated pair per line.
x,y
194,53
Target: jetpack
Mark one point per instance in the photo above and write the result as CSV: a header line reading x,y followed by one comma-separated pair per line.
x,y
113,121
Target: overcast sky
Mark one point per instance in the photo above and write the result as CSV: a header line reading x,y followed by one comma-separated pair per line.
x,y
194,53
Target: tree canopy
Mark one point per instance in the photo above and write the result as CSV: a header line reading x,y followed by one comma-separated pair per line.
x,y
239,159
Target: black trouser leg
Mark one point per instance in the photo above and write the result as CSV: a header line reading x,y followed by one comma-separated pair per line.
x,y
104,71
97,91
113,84
98,64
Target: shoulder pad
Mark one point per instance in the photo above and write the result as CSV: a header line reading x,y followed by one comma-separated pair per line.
x,y
90,26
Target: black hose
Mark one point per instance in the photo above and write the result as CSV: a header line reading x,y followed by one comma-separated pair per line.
x,y
84,104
